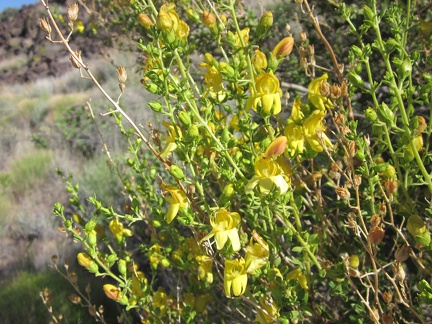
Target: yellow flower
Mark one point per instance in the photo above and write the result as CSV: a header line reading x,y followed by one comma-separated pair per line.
x,y
205,264
213,81
139,281
310,130
267,98
315,96
173,133
244,33
177,200
268,311
119,232
296,142
259,60
235,277
268,175
257,254
160,300
167,18
224,225
298,275
313,129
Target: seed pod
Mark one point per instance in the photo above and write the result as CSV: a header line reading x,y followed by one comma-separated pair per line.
x,y
376,235
121,74
176,172
72,12
45,25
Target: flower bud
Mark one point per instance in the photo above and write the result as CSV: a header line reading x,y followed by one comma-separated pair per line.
x,y
145,20
176,172
355,79
277,147
92,238
84,260
415,225
266,21
404,69
192,15
209,20
390,172
72,12
164,21
385,114
354,261
421,124
152,88
371,114
112,292
122,266
155,106
283,48
193,132
184,117
45,25
226,70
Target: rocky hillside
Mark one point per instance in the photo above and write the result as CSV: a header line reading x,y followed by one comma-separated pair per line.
x,y
25,53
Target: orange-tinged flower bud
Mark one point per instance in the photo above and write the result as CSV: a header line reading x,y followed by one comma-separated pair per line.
x,y
145,20
84,260
421,124
112,292
209,20
72,12
277,147
283,48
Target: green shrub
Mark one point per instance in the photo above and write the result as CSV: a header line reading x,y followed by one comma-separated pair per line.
x,y
248,204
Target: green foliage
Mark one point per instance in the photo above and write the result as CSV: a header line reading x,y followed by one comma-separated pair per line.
x,y
247,204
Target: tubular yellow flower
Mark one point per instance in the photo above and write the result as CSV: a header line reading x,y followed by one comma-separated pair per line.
x,y
296,142
244,34
313,129
160,300
205,264
177,200
209,20
145,20
268,311
257,254
224,225
213,81
298,275
267,98
235,277
315,96
259,60
173,133
118,230
167,18
268,175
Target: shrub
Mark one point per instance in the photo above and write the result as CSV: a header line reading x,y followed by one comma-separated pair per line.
x,y
238,214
